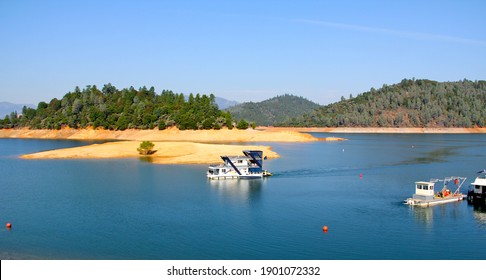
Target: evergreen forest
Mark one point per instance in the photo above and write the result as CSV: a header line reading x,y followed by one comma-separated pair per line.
x,y
114,109
410,103
273,111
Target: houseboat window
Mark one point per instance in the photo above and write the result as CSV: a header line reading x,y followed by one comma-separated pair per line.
x,y
431,187
419,187
426,187
240,161
477,187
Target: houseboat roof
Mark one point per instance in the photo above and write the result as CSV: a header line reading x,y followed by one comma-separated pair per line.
x,y
424,183
237,157
480,180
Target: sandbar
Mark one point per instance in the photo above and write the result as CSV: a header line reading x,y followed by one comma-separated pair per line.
x,y
167,152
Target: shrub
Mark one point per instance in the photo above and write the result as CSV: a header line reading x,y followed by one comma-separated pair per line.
x,y
146,148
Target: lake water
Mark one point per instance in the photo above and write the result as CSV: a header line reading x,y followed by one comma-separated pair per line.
x,y
131,209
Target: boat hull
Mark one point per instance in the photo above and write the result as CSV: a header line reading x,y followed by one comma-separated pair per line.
x,y
435,201
224,177
475,198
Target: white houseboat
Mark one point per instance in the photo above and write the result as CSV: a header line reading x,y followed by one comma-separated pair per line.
x,y
477,195
248,166
425,192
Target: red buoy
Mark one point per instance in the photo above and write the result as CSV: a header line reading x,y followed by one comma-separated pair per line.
x,y
325,228
9,225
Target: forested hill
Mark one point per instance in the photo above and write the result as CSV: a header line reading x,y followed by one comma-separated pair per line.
x,y
410,103
273,111
115,109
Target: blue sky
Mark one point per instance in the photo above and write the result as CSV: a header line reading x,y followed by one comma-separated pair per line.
x,y
239,50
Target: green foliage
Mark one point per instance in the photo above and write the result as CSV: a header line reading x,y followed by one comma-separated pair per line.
x,y
115,109
410,103
146,148
242,124
274,110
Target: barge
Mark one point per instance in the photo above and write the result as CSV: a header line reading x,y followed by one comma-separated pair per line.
x,y
425,196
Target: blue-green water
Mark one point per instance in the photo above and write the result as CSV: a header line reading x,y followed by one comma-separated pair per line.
x,y
131,209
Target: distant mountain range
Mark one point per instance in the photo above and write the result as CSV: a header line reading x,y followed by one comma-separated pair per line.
x,y
6,108
224,103
273,111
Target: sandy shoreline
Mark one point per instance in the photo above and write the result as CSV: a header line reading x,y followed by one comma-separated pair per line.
x,y
173,146
404,130
167,152
171,134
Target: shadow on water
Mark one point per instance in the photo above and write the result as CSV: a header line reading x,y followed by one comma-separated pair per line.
x,y
438,155
148,159
479,209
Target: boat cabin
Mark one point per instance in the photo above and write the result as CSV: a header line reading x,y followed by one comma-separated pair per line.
x,y
424,191
478,194
480,185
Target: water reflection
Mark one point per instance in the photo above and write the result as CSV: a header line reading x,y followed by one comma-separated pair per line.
x,y
426,215
479,215
423,215
247,191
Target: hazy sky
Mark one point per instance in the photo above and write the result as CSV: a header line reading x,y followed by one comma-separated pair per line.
x,y
239,50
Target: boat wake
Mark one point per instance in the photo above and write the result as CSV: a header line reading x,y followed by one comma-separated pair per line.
x,y
314,172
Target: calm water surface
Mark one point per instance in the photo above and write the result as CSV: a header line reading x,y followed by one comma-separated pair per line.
x,y
131,209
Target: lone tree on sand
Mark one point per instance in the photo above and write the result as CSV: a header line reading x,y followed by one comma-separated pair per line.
x,y
146,148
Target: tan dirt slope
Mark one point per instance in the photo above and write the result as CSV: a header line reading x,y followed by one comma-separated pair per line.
x,y
171,134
